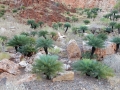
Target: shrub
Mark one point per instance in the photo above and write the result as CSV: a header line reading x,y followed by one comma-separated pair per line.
x,y
14,10
108,29
25,33
20,40
4,55
40,23
33,33
67,25
86,55
33,24
44,43
93,68
42,33
55,26
54,50
117,41
48,65
27,50
86,21
102,36
75,30
83,28
53,34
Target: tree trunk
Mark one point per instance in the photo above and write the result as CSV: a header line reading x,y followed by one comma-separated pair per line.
x,y
117,47
48,77
92,52
16,48
112,28
46,50
118,30
83,31
66,29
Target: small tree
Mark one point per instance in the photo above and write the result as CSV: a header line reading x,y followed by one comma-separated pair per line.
x,y
114,12
45,43
112,24
33,24
95,43
40,23
102,36
108,29
48,65
67,25
118,27
42,33
86,21
33,33
55,26
53,34
83,28
117,41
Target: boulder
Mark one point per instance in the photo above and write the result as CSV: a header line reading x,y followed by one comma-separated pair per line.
x,y
23,64
66,66
27,78
9,66
107,50
65,76
73,50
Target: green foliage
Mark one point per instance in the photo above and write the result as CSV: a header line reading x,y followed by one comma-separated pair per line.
x,y
67,24
83,28
102,36
2,6
75,30
116,40
14,10
40,23
117,25
86,55
33,33
33,24
2,12
60,24
4,38
53,34
93,68
55,26
54,50
74,19
108,29
95,41
44,43
25,33
86,21
112,24
20,40
48,65
42,33
27,50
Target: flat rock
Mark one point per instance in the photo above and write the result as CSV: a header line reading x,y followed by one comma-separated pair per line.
x,y
65,76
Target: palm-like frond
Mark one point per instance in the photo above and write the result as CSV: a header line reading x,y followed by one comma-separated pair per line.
x,y
116,40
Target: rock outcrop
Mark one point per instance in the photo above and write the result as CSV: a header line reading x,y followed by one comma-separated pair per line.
x,y
73,50
104,4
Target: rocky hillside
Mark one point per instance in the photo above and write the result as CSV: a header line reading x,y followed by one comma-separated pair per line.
x,y
47,11
104,4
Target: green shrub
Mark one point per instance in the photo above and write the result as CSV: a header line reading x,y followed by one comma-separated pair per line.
x,y
27,50
33,24
48,65
4,55
2,6
55,26
86,55
20,40
93,68
54,50
102,36
75,30
53,34
86,21
40,23
25,33
44,43
33,33
14,10
43,33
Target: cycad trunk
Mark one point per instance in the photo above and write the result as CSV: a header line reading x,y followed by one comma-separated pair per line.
x,y
66,29
117,47
46,50
48,77
118,30
112,28
92,52
83,31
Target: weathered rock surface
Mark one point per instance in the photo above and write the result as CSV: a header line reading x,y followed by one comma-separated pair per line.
x,y
65,76
9,67
104,4
73,50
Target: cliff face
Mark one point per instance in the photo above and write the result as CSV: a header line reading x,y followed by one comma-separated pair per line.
x,y
103,4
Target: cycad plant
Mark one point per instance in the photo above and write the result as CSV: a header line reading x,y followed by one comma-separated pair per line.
x,y
83,28
33,33
47,65
93,68
95,42
67,25
86,21
33,24
108,30
40,23
20,40
25,33
42,33
112,24
102,36
27,50
44,43
55,26
118,27
117,41
53,34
